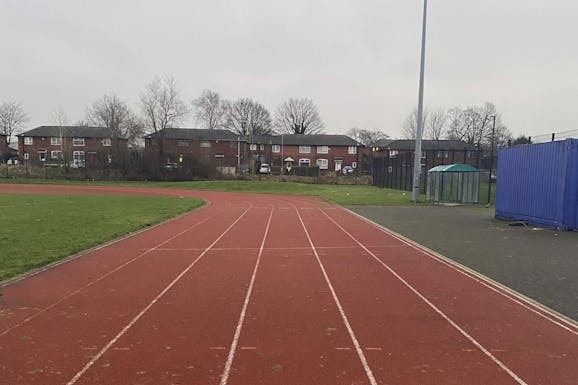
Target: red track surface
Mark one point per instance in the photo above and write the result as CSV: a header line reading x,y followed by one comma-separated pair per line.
x,y
271,290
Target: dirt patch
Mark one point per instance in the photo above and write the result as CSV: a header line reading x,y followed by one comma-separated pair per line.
x,y
539,263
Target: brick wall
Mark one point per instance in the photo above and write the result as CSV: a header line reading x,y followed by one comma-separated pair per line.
x,y
3,147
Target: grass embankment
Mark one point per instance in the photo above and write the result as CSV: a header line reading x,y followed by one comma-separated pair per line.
x,y
341,194
36,230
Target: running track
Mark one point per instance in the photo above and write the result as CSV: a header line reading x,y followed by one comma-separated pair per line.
x,y
263,289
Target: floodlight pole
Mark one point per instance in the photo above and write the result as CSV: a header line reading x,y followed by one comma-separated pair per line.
x,y
419,130
491,159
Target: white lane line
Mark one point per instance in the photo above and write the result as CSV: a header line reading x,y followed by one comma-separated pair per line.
x,y
235,342
360,353
120,267
518,298
434,307
146,308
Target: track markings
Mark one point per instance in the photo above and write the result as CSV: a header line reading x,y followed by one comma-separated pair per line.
x,y
356,344
122,266
520,299
235,342
89,364
434,307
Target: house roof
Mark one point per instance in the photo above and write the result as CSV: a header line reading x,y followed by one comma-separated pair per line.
x,y
69,132
409,144
194,134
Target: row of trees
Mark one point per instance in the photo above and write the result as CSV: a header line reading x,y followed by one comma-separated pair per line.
x,y
473,124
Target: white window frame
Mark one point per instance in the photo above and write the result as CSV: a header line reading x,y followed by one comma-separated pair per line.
x,y
304,162
354,164
219,155
305,149
393,153
276,148
352,150
323,163
106,142
55,141
253,147
78,158
42,155
205,144
26,156
323,149
56,154
78,142
28,141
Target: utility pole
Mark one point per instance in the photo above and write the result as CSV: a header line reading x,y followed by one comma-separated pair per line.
x,y
417,154
491,158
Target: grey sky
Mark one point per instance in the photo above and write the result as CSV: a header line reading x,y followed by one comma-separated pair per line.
x,y
358,59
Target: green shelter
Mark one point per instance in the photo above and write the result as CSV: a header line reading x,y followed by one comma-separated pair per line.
x,y
454,183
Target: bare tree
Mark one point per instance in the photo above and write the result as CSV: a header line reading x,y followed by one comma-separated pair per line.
x,y
111,112
471,124
409,127
12,119
59,118
367,137
248,117
162,108
435,124
298,116
210,110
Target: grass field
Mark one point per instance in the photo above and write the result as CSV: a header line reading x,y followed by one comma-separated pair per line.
x,y
340,194
38,229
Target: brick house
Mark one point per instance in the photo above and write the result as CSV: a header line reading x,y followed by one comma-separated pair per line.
x,y
3,147
434,152
178,146
228,151
75,146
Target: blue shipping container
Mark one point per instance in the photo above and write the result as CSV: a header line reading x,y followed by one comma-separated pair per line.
x,y
538,184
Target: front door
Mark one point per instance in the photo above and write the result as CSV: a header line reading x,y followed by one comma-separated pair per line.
x,y
338,163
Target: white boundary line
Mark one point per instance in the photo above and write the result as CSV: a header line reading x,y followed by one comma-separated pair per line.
x,y
434,307
534,306
235,342
120,267
146,308
358,348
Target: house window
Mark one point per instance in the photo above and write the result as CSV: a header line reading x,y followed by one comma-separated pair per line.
x,y
393,153
323,164
469,154
55,154
26,156
78,142
42,155
253,147
322,149
352,150
28,140
304,162
78,158
219,156
182,143
276,148
423,155
55,141
443,154
106,142
304,149
205,144
262,147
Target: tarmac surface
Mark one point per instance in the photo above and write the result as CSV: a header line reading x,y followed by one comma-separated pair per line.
x,y
539,263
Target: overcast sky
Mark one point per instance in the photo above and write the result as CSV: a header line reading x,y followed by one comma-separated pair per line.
x,y
358,59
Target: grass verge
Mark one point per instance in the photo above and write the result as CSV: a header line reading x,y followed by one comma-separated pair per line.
x,y
36,230
346,195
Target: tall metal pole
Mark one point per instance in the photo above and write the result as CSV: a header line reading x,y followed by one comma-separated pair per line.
x,y
491,159
418,134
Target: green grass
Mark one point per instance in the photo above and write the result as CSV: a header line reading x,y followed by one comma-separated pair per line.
x,y
36,230
339,194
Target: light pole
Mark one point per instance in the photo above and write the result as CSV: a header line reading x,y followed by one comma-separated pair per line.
x,y
491,158
419,130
